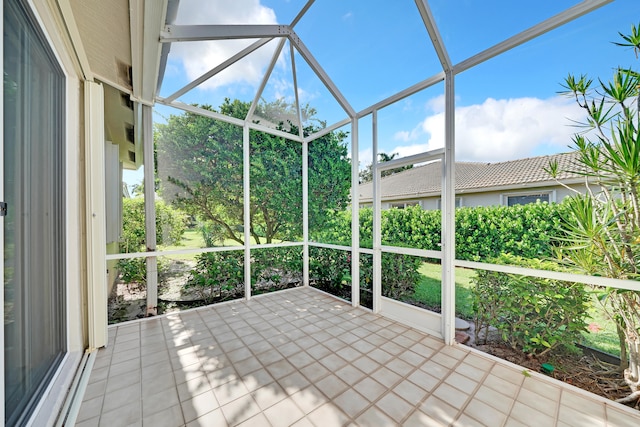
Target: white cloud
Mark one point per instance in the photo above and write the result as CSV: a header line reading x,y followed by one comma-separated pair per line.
x,y
199,57
497,129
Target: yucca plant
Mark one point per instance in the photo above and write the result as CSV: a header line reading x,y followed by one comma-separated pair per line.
x,y
603,226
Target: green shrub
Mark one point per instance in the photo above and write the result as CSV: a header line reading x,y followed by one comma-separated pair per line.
x,y
399,275
532,314
217,276
330,270
481,232
135,270
277,266
171,224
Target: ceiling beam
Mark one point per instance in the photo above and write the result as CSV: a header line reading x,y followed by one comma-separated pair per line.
x,y
191,33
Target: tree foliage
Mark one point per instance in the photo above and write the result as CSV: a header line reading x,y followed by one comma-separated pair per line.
x,y
603,225
366,175
200,164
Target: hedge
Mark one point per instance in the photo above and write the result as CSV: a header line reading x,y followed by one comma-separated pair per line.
x,y
481,232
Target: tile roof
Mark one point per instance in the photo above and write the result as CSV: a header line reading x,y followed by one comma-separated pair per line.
x,y
426,179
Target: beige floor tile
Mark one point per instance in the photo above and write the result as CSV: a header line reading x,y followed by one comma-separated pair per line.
x,y
192,388
462,383
309,399
92,422
122,397
374,417
331,386
620,418
350,374
159,401
90,408
125,415
327,415
423,380
351,402
451,395
439,410
283,413
471,371
410,392
386,377
199,405
280,369
216,366
509,374
214,418
584,417
394,406
491,397
168,417
582,404
445,360
435,369
269,395
240,410
258,420
366,365
539,402
314,371
294,382
229,392
529,416
485,414
501,386
420,419
542,387
412,358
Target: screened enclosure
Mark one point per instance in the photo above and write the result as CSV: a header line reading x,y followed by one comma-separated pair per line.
x,y
268,124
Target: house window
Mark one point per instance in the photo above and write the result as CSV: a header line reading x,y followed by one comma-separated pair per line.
x,y
402,205
458,202
524,199
34,229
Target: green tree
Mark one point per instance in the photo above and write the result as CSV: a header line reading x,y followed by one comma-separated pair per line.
x,y
200,164
366,174
603,225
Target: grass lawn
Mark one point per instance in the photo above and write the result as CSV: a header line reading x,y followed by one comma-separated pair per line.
x,y
428,290
603,336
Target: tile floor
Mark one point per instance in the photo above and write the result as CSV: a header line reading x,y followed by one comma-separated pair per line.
x,y
301,357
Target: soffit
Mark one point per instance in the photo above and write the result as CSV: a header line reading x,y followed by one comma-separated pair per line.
x,y
104,30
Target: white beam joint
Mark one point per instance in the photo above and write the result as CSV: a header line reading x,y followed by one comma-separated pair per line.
x,y
192,33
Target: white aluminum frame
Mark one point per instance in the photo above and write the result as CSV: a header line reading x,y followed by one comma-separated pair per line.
x,y
266,33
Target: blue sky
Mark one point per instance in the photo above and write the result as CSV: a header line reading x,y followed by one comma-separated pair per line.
x,y
506,108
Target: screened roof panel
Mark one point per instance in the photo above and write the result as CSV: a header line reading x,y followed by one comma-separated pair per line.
x,y
277,106
240,80
468,27
320,107
371,50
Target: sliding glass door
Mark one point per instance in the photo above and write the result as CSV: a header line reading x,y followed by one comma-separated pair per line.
x,y
34,230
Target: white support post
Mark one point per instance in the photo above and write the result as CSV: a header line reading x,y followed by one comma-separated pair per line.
x,y
305,213
247,209
377,220
448,216
355,216
150,210
96,222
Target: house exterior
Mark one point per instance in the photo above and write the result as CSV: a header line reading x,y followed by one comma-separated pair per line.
x,y
479,184
77,84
